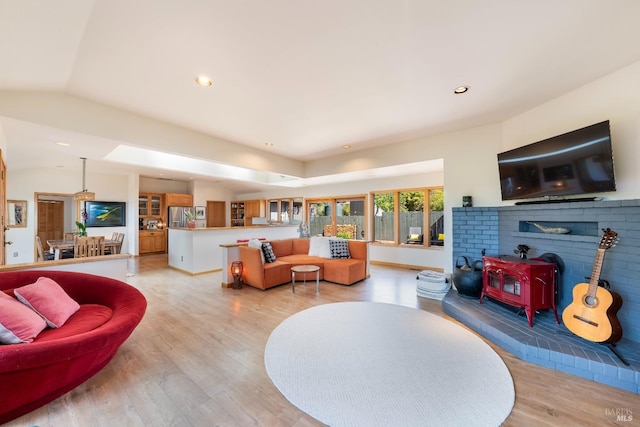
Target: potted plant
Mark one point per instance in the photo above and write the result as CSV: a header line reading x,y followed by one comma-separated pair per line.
x,y
191,219
82,229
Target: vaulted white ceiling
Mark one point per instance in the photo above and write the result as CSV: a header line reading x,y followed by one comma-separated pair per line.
x,y
310,76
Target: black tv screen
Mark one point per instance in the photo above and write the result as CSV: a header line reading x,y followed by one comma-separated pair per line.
x,y
577,162
105,214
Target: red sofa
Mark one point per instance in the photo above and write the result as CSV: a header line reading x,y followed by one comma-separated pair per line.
x,y
59,360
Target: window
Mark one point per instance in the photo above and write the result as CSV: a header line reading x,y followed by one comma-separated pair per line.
x,y
384,217
436,217
412,217
296,211
284,210
287,211
344,216
402,217
350,211
273,211
319,216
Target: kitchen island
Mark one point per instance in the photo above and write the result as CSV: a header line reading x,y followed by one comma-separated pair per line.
x,y
206,250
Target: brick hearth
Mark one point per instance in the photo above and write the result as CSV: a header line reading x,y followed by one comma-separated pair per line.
x,y
499,230
547,343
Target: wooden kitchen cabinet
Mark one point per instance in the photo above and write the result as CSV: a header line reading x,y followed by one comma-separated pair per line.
x,y
243,210
237,214
175,199
151,205
253,208
152,241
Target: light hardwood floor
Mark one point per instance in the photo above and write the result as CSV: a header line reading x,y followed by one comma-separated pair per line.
x,y
197,360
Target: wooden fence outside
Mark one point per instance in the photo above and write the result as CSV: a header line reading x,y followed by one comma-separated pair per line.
x,y
382,224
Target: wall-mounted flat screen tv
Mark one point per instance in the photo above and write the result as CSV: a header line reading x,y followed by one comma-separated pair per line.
x,y
105,214
577,162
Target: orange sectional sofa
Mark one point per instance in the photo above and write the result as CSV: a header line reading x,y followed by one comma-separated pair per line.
x,y
291,252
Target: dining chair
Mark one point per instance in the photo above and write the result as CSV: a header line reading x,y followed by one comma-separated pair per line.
x,y
120,240
68,253
41,256
89,246
116,249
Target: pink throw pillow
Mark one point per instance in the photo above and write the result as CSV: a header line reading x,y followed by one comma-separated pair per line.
x,y
18,324
49,300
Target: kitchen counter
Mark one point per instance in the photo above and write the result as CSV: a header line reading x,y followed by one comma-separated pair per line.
x,y
246,227
206,250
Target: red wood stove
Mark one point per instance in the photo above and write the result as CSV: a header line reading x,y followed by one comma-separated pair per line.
x,y
525,283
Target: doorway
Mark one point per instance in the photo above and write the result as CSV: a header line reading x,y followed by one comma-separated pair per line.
x,y
216,213
3,208
55,215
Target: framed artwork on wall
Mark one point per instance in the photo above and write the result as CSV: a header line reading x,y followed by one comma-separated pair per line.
x,y
201,212
105,214
16,213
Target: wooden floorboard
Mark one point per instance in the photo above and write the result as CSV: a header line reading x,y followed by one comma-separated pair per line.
x,y
197,359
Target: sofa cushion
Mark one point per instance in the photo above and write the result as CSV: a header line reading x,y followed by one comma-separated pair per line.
x,y
358,249
267,251
282,247
300,246
18,323
276,273
256,243
339,248
88,318
300,259
49,300
319,246
345,271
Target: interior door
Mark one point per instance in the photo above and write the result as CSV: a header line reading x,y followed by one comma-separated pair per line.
x,y
3,209
216,213
50,221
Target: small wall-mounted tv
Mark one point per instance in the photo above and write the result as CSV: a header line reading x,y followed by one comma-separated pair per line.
x,y
577,162
105,214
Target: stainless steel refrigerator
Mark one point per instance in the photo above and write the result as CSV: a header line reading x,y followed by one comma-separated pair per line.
x,y
177,216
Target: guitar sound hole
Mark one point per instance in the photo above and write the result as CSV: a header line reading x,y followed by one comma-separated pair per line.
x,y
590,301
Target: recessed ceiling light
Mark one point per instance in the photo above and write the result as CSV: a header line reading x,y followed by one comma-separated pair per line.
x,y
346,147
63,144
268,144
204,81
460,89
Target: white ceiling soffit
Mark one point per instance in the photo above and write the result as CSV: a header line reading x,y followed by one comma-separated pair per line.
x,y
416,168
167,161
174,162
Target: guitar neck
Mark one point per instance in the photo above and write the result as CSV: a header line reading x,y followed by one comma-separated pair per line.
x,y
595,273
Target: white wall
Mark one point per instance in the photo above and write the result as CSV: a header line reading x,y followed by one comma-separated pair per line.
x,y
469,155
85,117
3,142
23,184
153,185
206,191
615,97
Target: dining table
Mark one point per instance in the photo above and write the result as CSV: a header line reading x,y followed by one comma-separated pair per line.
x,y
57,246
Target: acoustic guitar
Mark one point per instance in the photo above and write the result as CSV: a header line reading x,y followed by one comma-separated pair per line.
x,y
592,313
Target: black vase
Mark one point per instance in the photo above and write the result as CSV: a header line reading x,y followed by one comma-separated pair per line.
x,y
467,277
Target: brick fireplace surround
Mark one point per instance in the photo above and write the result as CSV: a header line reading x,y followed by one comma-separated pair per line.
x,y
499,230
